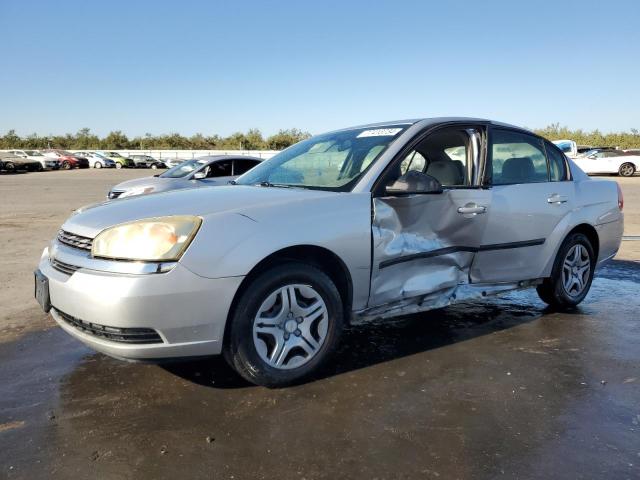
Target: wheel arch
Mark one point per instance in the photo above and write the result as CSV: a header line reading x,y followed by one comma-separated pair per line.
x,y
319,257
591,233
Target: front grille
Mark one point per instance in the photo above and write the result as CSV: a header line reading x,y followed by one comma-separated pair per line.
x,y
115,194
75,241
63,267
114,334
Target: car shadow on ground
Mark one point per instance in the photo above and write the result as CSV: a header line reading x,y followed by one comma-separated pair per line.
x,y
381,341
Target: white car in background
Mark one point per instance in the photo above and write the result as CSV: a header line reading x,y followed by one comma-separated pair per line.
x,y
96,160
46,163
609,162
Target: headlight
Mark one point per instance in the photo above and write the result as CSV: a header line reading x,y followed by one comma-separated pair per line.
x,y
136,191
152,239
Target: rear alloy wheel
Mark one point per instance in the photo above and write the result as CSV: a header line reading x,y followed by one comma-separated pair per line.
x,y
286,323
571,275
627,170
66,165
97,165
10,167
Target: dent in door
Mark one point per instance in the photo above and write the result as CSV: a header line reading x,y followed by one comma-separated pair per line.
x,y
405,229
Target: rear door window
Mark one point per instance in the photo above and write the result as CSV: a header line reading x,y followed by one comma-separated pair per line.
x,y
220,169
517,158
243,166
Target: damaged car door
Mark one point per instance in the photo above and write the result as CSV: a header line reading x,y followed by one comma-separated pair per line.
x,y
425,238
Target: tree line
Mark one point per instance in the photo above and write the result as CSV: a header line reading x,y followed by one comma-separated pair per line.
x,y
253,139
84,139
593,138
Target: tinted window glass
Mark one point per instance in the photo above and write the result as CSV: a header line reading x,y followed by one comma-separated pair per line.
x,y
557,165
242,166
517,158
220,169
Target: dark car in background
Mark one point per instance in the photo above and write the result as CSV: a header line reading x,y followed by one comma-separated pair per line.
x,y
11,162
147,161
67,159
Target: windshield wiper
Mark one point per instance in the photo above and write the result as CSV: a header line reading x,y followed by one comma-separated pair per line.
x,y
276,185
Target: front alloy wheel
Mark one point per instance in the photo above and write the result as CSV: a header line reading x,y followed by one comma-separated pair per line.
x,y
118,165
97,165
285,325
290,327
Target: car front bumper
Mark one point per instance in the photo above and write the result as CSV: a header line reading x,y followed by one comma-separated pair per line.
x,y
187,311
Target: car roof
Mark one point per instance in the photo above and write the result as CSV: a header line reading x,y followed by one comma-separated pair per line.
x,y
433,121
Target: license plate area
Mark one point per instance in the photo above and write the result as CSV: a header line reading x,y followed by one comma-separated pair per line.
x,y
41,290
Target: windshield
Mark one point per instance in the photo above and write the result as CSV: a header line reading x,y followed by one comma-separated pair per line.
x,y
115,154
184,169
33,153
333,161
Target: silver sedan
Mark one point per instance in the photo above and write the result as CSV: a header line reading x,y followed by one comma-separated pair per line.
x,y
200,172
368,222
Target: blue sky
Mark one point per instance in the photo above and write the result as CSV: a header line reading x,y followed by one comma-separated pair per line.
x,y
220,67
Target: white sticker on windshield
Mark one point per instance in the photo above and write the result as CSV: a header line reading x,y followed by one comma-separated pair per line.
x,y
379,132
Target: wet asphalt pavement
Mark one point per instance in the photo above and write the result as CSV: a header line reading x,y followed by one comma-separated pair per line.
x,y
500,389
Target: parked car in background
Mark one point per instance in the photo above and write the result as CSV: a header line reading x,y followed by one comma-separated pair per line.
x,y
12,163
201,172
174,162
67,159
568,147
147,161
120,161
97,161
608,161
368,222
46,163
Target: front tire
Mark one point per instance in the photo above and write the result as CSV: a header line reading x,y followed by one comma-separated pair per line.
x,y
66,165
286,323
627,170
118,165
10,167
571,275
154,166
97,165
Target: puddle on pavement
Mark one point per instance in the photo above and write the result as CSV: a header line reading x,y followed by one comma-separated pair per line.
x,y
467,390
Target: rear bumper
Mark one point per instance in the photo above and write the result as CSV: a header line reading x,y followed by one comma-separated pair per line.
x,y
187,311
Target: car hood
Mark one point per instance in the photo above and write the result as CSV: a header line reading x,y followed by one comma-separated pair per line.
x,y
157,183
203,202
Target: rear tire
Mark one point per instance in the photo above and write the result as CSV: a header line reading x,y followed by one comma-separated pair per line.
x,y
627,170
154,166
571,275
10,167
97,165
286,323
66,165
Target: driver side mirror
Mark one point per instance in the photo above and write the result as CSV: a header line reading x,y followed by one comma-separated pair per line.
x,y
413,183
199,175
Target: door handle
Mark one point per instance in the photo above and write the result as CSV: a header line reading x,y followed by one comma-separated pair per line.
x,y
472,209
557,199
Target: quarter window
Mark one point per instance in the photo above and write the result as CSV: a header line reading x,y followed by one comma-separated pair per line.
x,y
557,165
517,158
